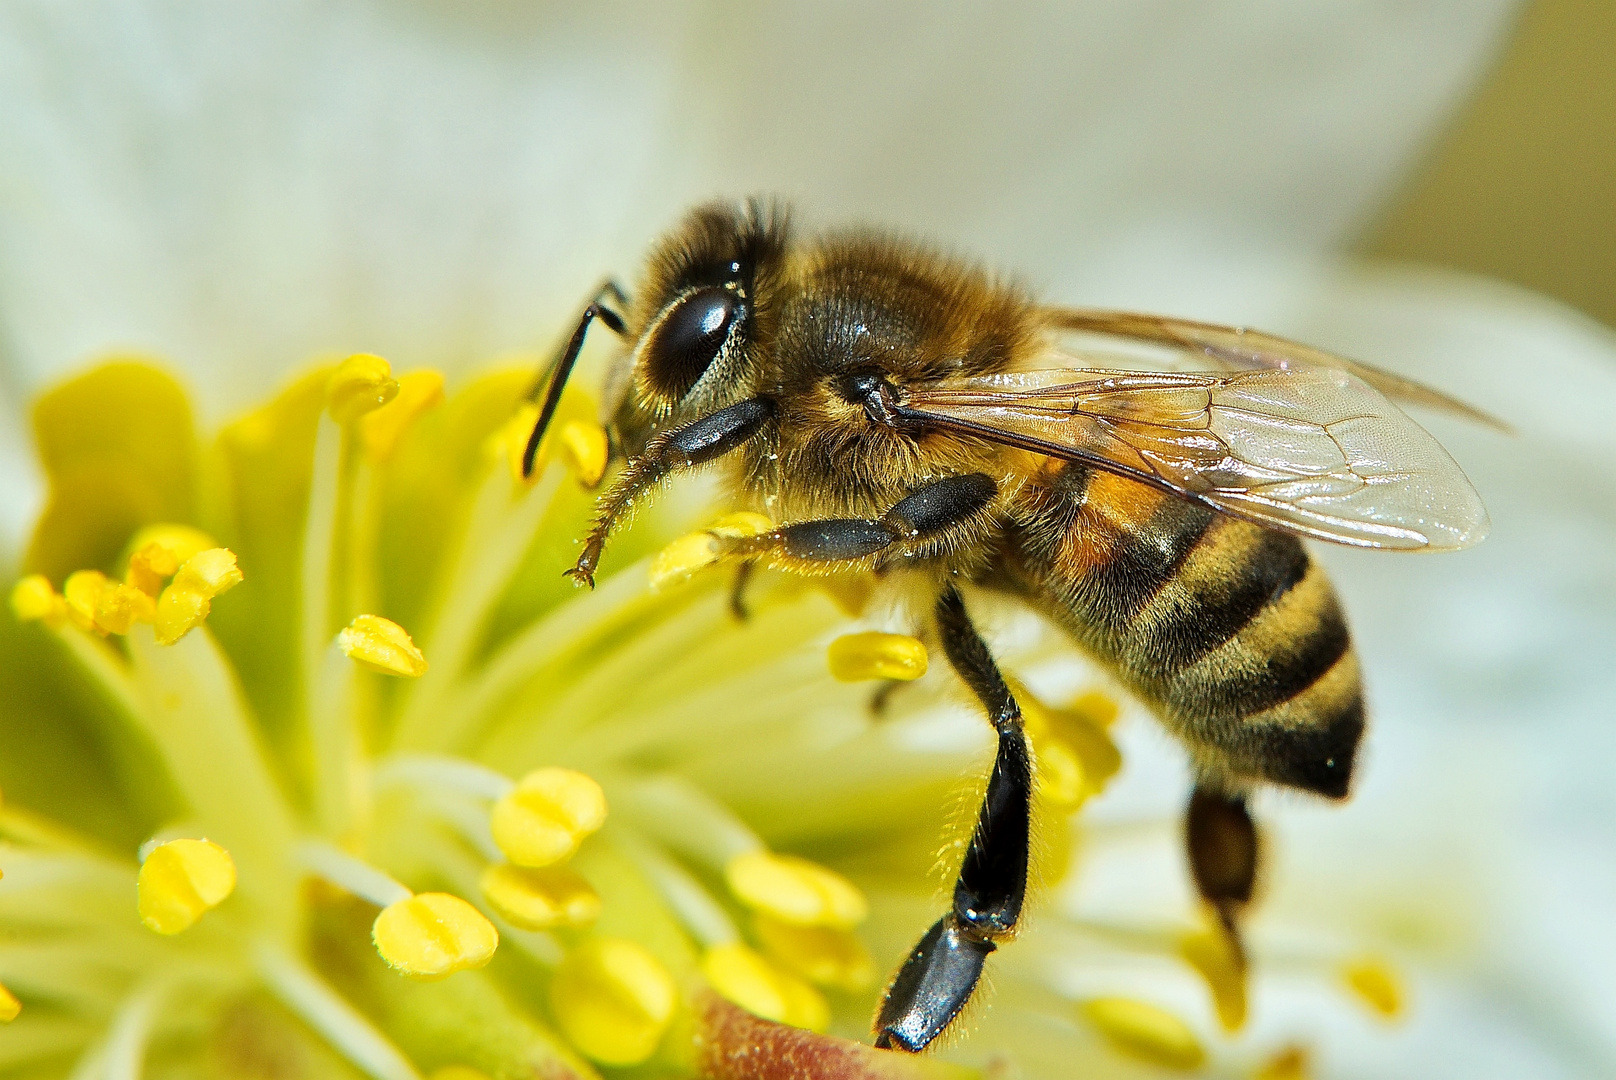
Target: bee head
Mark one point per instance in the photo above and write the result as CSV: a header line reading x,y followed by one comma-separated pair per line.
x,y
703,307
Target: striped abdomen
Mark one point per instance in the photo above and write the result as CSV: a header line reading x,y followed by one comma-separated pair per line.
x,y
1229,630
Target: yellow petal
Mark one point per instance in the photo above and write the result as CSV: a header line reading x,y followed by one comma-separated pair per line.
x,y
796,891
613,1000
540,898
381,645
873,655
381,429
182,880
1146,1031
362,383
433,935
544,818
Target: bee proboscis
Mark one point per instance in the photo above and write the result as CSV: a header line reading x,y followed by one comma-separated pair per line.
x,y
1142,481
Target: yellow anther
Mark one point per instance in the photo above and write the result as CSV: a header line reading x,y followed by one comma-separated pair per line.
x,y
750,981
820,954
682,558
874,655
1074,751
189,597
584,448
121,606
82,590
1377,984
433,935
33,599
1060,780
361,384
1146,1031
1212,953
741,525
510,441
157,551
1291,1063
795,890
1099,709
613,1000
381,645
544,818
540,898
381,429
698,550
9,1006
181,881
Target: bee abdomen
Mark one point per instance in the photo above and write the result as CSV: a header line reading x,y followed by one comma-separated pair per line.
x,y
1230,630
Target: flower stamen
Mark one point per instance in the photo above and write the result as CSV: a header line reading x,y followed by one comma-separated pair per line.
x,y
1146,1031
820,954
540,898
875,655
698,550
433,935
1377,985
752,982
33,600
361,384
795,891
613,1000
381,429
182,880
381,645
184,605
544,818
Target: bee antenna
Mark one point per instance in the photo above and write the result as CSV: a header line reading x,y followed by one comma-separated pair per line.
x,y
561,369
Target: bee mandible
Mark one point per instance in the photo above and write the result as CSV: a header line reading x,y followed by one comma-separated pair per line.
x,y
905,413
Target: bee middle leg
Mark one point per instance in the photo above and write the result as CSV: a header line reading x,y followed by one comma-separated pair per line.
x,y
943,969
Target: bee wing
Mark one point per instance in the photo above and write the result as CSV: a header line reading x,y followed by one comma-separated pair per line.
x,y
1226,348
1314,451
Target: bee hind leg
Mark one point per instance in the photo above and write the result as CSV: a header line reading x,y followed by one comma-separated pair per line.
x,y
941,973
1221,841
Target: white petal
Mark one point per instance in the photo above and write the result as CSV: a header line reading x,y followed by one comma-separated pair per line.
x,y
237,186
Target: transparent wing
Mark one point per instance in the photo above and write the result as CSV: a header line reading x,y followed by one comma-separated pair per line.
x,y
1205,345
1318,452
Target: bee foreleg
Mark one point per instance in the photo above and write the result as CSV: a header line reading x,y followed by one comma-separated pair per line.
x,y
696,443
941,973
1222,844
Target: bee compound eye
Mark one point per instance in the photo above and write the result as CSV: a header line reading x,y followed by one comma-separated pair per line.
x,y
685,343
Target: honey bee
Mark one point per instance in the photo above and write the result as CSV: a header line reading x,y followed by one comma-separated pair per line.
x,y
905,413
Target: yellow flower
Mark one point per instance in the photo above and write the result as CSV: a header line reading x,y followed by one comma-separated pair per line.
x,y
325,753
